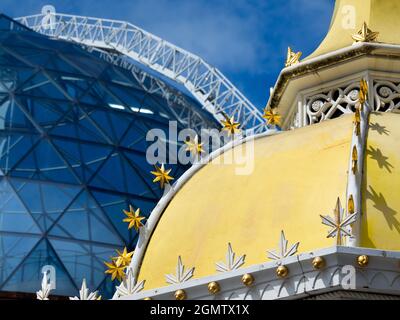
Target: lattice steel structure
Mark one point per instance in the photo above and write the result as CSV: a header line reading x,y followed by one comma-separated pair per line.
x,y
72,157
206,83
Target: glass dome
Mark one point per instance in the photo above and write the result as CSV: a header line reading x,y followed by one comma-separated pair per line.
x,y
72,157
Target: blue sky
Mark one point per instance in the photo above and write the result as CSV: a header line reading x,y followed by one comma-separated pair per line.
x,y
246,40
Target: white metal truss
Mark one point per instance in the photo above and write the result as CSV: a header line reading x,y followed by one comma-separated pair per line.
x,y
206,83
177,102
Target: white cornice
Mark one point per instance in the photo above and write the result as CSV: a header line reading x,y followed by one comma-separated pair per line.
x,y
381,275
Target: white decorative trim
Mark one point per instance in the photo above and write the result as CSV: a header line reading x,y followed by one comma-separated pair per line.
x,y
380,276
146,231
84,293
331,99
283,252
354,179
129,286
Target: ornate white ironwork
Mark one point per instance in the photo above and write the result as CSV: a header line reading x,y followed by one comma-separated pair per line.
x,y
342,98
386,95
84,293
43,294
231,262
283,251
207,84
129,285
181,275
331,103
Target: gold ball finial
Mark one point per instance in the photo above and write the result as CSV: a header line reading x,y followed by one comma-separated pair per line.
x,y
318,263
247,279
147,298
282,271
363,260
180,294
213,287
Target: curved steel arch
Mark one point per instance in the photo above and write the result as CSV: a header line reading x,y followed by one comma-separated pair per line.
x,y
206,83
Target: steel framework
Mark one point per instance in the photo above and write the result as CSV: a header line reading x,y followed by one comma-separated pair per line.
x,y
206,83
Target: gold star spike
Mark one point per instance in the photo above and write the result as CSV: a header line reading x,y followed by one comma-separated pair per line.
x,y
272,116
194,146
357,122
230,126
354,160
365,34
292,57
162,175
363,94
133,218
124,258
117,272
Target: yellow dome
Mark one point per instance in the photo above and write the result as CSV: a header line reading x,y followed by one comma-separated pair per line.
x,y
380,15
297,176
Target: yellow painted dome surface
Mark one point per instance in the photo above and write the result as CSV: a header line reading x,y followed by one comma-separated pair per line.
x,y
297,176
381,184
380,15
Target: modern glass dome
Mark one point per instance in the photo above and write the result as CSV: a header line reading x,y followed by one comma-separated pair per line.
x,y
72,157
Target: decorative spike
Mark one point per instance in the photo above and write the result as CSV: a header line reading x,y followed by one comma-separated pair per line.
x,y
365,34
231,262
354,159
84,293
181,275
357,122
272,116
350,205
129,285
133,218
340,223
292,57
283,251
162,176
230,126
363,94
194,147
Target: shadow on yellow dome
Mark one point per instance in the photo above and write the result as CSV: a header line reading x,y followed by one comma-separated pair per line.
x,y
297,176
381,184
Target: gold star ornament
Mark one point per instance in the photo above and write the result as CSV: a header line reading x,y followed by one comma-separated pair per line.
x,y
292,57
116,272
133,218
162,176
363,94
365,34
231,126
124,258
272,116
194,147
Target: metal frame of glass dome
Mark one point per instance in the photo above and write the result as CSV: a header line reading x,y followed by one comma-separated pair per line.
x,y
206,83
71,123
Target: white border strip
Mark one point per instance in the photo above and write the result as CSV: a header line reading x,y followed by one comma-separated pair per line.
x,y
354,180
